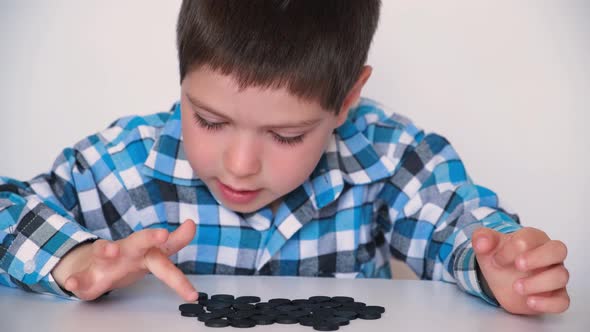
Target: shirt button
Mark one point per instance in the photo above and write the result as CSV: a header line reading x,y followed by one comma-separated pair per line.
x,y
29,266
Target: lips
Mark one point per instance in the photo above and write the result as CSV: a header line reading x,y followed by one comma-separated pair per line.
x,y
237,196
235,189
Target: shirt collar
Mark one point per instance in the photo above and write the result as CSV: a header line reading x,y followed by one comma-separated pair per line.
x,y
350,158
166,160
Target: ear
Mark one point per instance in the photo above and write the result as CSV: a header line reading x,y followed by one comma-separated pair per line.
x,y
353,96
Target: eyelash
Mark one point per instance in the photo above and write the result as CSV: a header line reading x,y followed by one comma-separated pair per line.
x,y
214,126
206,124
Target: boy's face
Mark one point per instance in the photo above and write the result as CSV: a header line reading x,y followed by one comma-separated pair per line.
x,y
251,147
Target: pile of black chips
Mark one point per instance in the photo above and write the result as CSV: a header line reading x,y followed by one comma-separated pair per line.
x,y
323,313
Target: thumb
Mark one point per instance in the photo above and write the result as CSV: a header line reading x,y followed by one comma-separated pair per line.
x,y
485,241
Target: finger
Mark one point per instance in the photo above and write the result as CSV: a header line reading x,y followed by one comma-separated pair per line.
x,y
550,253
164,270
180,238
104,250
485,240
138,243
549,280
521,241
86,286
556,302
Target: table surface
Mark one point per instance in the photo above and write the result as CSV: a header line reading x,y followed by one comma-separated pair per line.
x,y
149,305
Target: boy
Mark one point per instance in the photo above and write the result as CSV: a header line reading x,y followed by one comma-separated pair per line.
x,y
271,164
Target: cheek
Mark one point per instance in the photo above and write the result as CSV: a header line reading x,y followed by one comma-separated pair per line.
x,y
289,167
201,155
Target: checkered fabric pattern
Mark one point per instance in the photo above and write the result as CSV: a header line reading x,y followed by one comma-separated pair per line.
x,y
383,187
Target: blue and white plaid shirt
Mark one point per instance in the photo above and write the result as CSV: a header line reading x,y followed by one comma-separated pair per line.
x,y
383,187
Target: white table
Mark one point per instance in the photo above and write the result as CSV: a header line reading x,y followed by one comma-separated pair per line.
x,y
150,306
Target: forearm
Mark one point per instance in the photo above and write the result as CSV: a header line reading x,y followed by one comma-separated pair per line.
x,y
435,208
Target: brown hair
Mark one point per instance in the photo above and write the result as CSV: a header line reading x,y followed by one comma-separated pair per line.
x,y
314,48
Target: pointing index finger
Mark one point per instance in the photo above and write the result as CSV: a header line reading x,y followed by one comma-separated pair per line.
x,y
166,271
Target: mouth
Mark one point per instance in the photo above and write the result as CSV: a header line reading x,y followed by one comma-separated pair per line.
x,y
238,190
237,196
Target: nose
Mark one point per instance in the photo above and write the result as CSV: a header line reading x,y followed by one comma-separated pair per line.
x,y
242,158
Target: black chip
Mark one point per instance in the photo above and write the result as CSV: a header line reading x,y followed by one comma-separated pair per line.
x,y
247,299
243,323
222,311
269,312
287,307
191,307
266,305
203,296
346,314
369,315
298,313
341,321
263,319
330,304
222,298
189,314
309,306
307,321
279,301
319,299
218,305
375,308
325,311
286,319
300,302
244,306
325,326
354,305
319,317
241,314
203,317
218,322
342,299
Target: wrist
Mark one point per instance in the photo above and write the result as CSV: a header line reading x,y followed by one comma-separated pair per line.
x,y
483,284
73,261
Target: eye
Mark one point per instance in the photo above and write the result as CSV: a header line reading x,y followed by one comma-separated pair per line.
x,y
206,124
288,140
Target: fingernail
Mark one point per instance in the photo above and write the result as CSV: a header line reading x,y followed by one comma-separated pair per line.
x,y
482,243
519,287
195,296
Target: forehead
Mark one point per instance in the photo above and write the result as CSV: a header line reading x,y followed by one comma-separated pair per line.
x,y
223,93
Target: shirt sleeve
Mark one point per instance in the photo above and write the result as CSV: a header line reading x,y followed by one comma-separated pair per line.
x,y
433,209
40,221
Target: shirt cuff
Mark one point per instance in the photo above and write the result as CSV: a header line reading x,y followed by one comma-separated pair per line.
x,y
483,282
33,254
466,274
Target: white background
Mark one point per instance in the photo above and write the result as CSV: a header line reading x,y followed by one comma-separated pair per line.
x,y
507,82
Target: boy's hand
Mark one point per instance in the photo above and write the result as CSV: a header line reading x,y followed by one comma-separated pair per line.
x,y
524,270
93,269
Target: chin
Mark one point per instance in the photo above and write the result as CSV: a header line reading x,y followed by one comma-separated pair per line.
x,y
243,209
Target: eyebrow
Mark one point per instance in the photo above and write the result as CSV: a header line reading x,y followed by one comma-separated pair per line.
x,y
304,123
